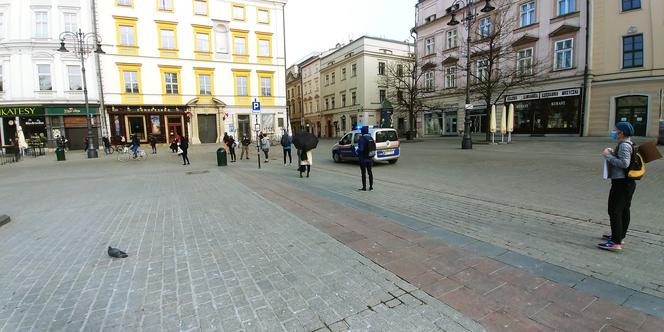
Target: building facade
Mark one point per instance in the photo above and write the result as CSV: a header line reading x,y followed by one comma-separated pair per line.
x,y
548,35
294,98
41,89
352,83
627,66
310,69
193,67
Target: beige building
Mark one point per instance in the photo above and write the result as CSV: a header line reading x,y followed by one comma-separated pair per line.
x,y
627,66
550,34
351,76
294,98
310,69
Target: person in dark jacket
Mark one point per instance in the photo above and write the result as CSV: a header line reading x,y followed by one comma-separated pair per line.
x,y
153,143
246,141
286,142
622,188
107,145
366,162
135,143
231,148
184,146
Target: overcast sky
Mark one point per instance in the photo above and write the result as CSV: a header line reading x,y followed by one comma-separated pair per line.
x,y
317,25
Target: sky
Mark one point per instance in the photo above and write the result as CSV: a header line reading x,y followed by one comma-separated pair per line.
x,y
318,25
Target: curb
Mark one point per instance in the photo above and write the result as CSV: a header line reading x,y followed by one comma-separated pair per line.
x,y
4,219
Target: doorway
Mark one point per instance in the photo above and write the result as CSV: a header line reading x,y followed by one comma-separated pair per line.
x,y
207,128
174,127
450,123
478,123
633,109
243,126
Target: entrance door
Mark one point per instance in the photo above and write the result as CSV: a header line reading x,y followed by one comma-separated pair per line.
x,y
76,137
450,123
540,122
478,123
329,128
243,126
633,109
207,128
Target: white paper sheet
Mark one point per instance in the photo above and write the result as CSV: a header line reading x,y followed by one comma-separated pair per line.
x,y
606,170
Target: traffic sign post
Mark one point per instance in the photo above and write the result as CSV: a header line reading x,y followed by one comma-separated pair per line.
x,y
258,140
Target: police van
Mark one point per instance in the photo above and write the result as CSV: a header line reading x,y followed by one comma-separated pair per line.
x,y
387,145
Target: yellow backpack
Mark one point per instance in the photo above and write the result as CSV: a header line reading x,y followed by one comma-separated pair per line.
x,y
637,168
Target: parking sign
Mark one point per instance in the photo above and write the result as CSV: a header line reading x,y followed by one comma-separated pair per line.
x,y
256,107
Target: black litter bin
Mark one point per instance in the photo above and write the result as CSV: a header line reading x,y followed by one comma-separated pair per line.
x,y
60,154
221,157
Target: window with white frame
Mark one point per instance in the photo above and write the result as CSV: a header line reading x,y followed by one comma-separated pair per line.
x,y
327,104
71,22
524,61
202,42
221,38
238,13
75,80
566,6
564,54
127,36
205,84
381,68
263,16
263,47
353,70
485,27
334,76
450,77
44,76
343,74
171,82
266,86
332,103
482,70
166,5
168,39
382,95
200,7
241,83
2,26
327,80
430,46
429,81
130,81
124,2
41,24
353,98
452,39
240,45
343,100
527,14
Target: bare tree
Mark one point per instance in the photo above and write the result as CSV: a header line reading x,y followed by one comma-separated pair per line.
x,y
406,88
499,62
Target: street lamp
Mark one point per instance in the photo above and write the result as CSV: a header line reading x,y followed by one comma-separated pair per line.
x,y
471,17
84,44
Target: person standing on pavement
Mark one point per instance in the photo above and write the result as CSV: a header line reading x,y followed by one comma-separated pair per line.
x,y
135,143
622,188
107,145
153,143
286,142
184,146
246,141
265,146
231,148
306,160
366,161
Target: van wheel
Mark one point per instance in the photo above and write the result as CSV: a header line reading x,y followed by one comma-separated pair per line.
x,y
393,161
336,157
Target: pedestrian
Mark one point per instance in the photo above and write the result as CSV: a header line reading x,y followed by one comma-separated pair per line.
x,y
286,142
231,148
153,143
306,160
366,161
184,146
86,142
245,142
622,188
265,146
174,144
135,144
107,145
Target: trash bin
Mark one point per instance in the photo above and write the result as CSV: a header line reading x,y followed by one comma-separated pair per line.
x,y
60,154
221,157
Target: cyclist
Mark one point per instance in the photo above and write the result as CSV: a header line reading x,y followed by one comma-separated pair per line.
x,y
135,143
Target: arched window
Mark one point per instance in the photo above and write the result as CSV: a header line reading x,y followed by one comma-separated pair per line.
x,y
221,39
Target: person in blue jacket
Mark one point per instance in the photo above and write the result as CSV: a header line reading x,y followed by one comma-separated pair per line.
x,y
366,162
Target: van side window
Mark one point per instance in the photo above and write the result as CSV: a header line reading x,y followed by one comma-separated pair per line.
x,y
345,140
386,135
356,139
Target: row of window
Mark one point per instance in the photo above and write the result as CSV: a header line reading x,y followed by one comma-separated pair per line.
x,y
330,78
41,27
168,40
330,102
200,7
45,78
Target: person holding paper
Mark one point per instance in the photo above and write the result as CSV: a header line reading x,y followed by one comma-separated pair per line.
x,y
622,188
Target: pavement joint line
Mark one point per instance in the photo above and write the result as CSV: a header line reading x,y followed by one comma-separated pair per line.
x,y
643,302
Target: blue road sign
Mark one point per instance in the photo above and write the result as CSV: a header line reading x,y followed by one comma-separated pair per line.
x,y
255,106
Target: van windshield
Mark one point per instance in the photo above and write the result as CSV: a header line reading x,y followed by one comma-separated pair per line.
x,y
386,135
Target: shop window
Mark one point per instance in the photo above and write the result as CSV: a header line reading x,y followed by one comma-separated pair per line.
x,y
631,4
137,126
633,109
633,51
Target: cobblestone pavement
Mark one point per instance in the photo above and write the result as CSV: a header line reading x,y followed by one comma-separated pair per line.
x,y
205,253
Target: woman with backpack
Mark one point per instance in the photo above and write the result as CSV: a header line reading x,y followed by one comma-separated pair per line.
x,y
622,187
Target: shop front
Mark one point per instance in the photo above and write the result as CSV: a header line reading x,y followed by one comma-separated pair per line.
x,y
547,112
72,123
433,122
31,120
162,122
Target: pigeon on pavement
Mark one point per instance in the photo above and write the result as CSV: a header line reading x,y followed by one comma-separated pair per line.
x,y
117,253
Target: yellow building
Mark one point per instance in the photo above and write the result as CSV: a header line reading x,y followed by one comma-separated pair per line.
x,y
626,66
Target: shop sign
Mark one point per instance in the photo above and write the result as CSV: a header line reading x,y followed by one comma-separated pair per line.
x,y
70,110
146,109
561,93
525,96
21,111
34,122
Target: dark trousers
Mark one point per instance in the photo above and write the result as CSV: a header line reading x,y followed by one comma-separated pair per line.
x,y
154,148
620,200
232,152
303,168
365,167
266,152
290,158
185,158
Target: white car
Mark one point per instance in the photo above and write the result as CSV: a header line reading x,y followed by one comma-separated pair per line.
x,y
387,145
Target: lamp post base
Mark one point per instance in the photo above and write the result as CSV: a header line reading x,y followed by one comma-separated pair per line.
x,y
92,153
467,142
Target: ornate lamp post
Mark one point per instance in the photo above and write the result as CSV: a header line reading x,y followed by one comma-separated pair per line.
x,y
84,44
470,18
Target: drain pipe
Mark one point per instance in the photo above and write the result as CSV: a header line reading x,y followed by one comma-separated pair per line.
x,y
585,104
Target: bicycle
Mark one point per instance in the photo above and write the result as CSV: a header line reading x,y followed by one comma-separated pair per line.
x,y
126,154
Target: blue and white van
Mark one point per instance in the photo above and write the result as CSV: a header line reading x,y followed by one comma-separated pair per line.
x,y
387,145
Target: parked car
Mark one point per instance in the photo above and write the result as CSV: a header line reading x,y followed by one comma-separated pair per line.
x,y
387,145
